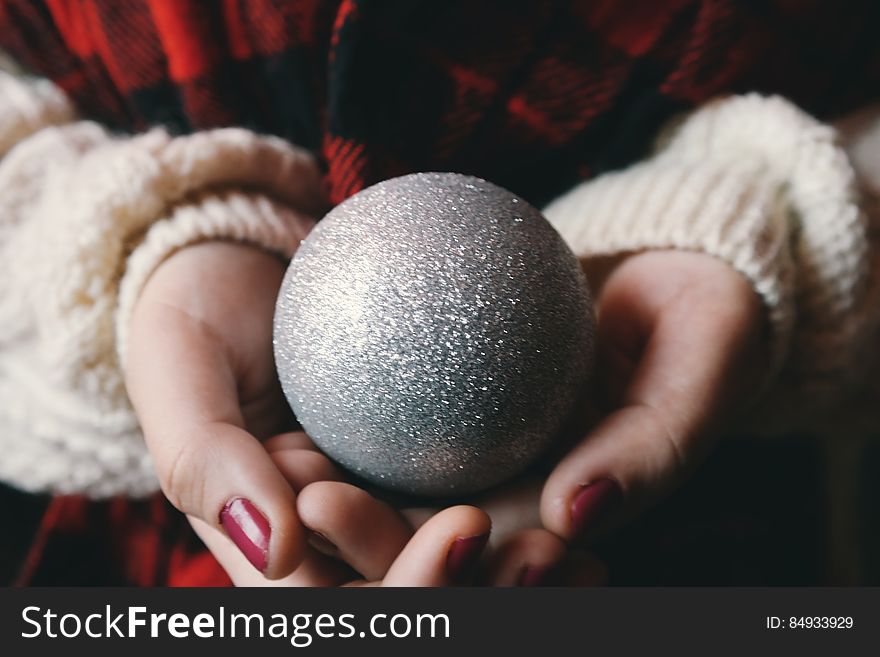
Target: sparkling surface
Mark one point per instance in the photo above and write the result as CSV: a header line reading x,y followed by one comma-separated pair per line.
x,y
432,334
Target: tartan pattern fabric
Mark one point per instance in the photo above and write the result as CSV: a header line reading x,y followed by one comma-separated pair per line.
x,y
530,95
120,542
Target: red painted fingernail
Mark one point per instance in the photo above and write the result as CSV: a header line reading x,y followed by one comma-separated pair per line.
x,y
463,557
538,576
593,505
248,529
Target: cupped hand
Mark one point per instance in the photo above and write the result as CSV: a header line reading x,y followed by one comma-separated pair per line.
x,y
681,341
359,539
353,538
201,377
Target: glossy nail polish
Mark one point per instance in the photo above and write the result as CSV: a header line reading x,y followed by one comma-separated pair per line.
x,y
248,529
463,558
593,505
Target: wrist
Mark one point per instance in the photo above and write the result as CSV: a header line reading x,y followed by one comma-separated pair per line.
x,y
255,226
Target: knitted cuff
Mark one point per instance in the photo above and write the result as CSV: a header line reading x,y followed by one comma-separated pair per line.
x,y
761,185
250,218
84,218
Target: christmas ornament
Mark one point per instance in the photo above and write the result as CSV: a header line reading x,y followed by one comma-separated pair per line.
x,y
432,334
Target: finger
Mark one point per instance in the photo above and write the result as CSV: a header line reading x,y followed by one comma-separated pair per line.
x,y
297,458
513,506
290,440
314,570
687,374
183,385
302,467
354,526
445,551
532,557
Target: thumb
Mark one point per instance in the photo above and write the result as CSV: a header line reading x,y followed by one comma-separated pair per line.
x,y
691,357
182,383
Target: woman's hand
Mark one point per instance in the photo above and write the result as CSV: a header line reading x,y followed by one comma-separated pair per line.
x,y
681,346
201,376
680,339
356,539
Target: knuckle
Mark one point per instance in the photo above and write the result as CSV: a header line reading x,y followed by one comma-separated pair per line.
x,y
180,477
673,456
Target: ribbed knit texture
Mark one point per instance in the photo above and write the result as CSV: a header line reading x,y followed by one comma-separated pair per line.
x,y
74,203
761,185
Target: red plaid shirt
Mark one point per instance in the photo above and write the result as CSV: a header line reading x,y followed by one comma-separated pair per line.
x,y
531,95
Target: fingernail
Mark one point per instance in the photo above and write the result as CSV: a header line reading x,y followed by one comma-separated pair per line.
x,y
593,505
248,529
538,576
463,557
322,544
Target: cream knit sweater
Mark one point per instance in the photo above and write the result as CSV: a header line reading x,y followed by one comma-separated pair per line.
x,y
86,216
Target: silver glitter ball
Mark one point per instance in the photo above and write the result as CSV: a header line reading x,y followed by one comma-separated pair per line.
x,y
433,333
